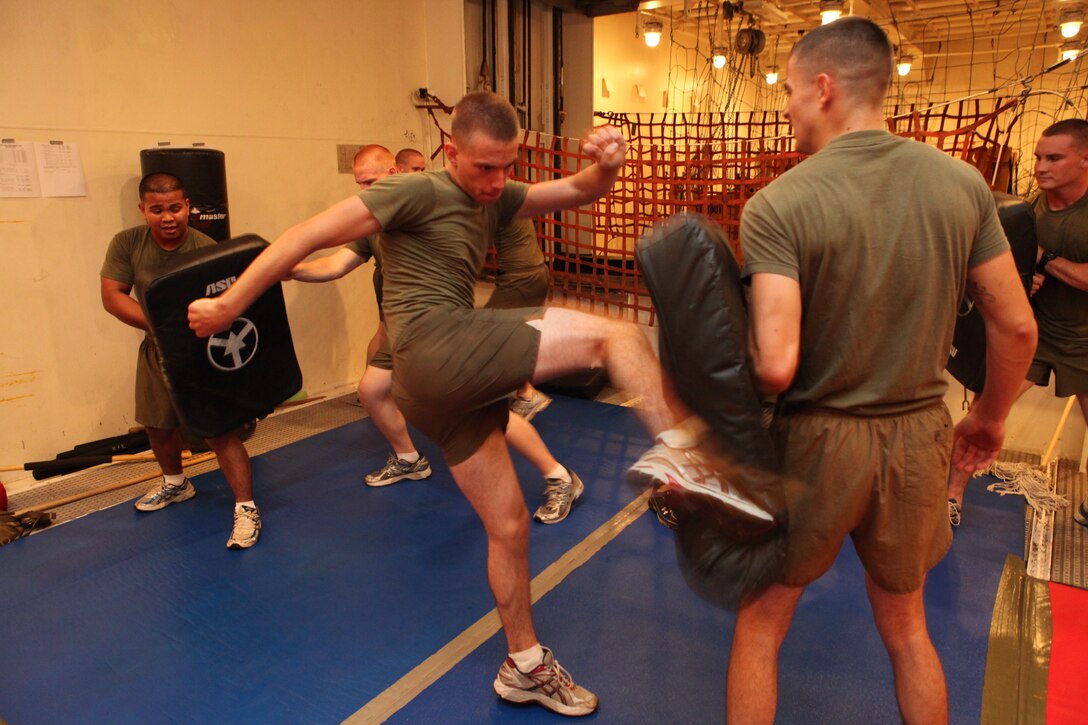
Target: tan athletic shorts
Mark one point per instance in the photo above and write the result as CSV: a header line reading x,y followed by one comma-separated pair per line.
x,y
154,408
454,370
882,480
520,288
1069,363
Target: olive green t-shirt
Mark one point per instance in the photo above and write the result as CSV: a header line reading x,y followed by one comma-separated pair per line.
x,y
134,250
1061,310
879,231
434,238
516,246
367,247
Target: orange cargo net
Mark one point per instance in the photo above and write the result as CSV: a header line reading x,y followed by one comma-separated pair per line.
x,y
708,164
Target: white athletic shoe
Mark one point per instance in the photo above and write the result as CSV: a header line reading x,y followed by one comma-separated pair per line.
x,y
548,684
689,470
247,528
164,495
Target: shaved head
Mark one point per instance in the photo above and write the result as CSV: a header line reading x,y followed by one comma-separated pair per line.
x,y
1076,128
484,112
855,51
160,183
372,163
410,161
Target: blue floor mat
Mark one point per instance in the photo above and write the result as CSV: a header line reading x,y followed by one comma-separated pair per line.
x,y
125,617
629,629
130,617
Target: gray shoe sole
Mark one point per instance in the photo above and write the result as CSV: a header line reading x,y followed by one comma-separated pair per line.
x,y
579,489
158,507
414,476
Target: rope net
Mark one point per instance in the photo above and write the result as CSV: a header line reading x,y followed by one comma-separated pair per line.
x,y
708,164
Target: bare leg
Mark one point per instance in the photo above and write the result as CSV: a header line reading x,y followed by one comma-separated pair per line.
x,y
375,394
234,462
523,437
571,341
488,481
526,391
166,443
919,679
751,694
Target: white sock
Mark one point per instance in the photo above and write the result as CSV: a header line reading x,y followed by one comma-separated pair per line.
x,y
173,479
239,504
528,659
409,457
685,434
560,472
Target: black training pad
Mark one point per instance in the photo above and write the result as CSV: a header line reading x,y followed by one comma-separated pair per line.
x,y
216,386
967,359
694,281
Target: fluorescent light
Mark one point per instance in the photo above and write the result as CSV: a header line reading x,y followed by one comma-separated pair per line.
x,y
651,31
830,11
1069,22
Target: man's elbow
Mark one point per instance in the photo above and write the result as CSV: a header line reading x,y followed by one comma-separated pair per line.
x,y
1026,334
773,378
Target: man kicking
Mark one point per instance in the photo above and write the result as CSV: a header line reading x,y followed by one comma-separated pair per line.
x,y
455,367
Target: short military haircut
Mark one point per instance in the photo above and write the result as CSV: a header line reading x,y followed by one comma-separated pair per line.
x,y
374,153
160,182
1077,128
855,51
487,112
405,156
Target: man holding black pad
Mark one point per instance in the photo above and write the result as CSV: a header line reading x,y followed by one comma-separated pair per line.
x,y
132,253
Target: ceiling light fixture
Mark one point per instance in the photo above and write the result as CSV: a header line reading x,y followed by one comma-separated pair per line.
x,y
1069,22
651,31
1070,51
830,11
717,57
903,67
772,75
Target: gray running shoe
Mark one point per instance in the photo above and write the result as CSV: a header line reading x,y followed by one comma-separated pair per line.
x,y
687,469
165,495
561,495
548,684
397,470
1080,513
528,409
247,527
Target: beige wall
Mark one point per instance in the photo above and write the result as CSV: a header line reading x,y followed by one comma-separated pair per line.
x,y
275,85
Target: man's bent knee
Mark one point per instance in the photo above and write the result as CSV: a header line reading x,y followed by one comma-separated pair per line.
x,y
375,386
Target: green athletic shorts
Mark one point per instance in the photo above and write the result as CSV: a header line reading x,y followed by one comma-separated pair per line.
x,y
455,369
1067,360
520,288
882,480
154,409
383,356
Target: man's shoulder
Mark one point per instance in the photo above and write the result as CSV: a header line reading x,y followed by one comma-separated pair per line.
x,y
199,239
132,235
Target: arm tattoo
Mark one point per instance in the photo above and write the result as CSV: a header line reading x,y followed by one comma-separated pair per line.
x,y
978,292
